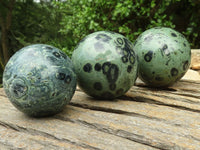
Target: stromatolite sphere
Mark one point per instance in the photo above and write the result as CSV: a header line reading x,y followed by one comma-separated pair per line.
x,y
105,64
39,80
164,56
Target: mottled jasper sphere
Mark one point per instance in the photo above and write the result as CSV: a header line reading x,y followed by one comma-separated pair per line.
x,y
164,56
39,80
105,64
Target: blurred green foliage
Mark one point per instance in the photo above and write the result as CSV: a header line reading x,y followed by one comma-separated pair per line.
x,y
64,23
130,18
37,23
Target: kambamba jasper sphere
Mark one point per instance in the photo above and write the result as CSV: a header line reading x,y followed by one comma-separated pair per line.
x,y
105,64
39,80
164,56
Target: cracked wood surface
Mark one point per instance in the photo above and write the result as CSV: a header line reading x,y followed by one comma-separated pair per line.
x,y
144,118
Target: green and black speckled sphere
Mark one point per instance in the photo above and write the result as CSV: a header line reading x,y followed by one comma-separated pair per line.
x,y
39,80
105,64
164,56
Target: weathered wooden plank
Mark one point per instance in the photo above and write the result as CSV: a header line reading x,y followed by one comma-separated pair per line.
x,y
164,106
148,107
11,138
192,75
138,128
195,61
182,95
63,130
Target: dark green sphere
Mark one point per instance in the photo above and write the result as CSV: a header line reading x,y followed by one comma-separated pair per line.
x,y
164,56
105,64
39,80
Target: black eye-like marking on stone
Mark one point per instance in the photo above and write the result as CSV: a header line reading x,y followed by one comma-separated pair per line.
x,y
174,72
148,56
99,46
60,76
19,89
173,34
164,47
97,86
186,65
56,54
125,52
176,41
132,59
165,50
124,59
87,67
184,44
120,41
49,48
106,67
97,67
68,79
103,37
129,68
132,52
111,71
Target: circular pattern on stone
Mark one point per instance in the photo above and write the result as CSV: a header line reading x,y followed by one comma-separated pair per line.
x,y
87,67
105,64
39,80
97,67
164,56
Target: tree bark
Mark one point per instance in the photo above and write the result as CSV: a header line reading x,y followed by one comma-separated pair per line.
x,y
5,23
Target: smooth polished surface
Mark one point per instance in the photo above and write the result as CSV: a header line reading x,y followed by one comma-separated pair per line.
x,y
39,80
105,64
164,56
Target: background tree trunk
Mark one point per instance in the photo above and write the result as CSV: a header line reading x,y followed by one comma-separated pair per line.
x,y
5,23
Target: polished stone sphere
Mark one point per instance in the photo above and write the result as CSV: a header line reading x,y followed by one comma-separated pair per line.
x,y
164,56
105,64
39,80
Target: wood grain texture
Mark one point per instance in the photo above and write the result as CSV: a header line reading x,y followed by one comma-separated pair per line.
x,y
144,118
63,131
195,61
